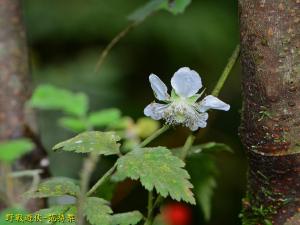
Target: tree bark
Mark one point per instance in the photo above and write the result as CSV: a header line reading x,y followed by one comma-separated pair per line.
x,y
14,74
270,128
15,89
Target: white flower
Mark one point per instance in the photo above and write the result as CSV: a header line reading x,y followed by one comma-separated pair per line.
x,y
182,106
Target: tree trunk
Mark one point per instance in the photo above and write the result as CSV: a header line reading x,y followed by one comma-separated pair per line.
x,y
270,129
15,88
13,70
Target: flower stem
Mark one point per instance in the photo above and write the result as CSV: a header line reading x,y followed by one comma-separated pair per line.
x,y
226,71
187,146
154,135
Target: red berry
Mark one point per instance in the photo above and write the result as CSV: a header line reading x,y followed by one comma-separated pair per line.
x,y
176,214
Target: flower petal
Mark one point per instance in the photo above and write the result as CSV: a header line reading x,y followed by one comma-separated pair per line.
x,y
159,88
211,102
155,110
186,82
199,121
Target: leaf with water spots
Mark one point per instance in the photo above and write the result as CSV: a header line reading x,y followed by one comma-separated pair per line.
x,y
57,186
157,168
102,143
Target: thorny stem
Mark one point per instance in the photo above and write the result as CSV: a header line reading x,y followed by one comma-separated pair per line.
x,y
226,71
113,42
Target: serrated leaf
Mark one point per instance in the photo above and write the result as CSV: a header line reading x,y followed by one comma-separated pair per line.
x,y
157,168
50,97
176,6
72,123
210,147
141,13
104,143
104,117
59,213
56,186
97,211
14,149
129,218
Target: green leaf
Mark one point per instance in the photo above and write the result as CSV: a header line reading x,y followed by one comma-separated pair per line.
x,y
104,117
60,213
141,13
104,143
204,193
203,171
173,6
57,186
176,6
97,211
14,149
129,218
52,98
210,147
157,168
72,123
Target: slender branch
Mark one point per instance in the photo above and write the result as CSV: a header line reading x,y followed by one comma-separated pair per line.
x,y
226,71
102,180
113,42
154,135
35,174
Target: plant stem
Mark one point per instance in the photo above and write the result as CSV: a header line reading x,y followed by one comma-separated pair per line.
x,y
102,180
154,135
187,146
113,42
88,167
150,209
226,71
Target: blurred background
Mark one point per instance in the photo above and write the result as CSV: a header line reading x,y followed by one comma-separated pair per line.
x,y
66,39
